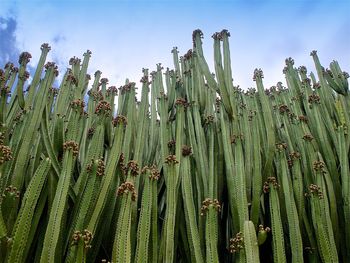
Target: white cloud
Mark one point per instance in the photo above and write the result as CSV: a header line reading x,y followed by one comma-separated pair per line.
x,y
3,25
116,50
7,8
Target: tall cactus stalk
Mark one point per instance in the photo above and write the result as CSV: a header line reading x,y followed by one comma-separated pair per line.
x,y
23,223
272,187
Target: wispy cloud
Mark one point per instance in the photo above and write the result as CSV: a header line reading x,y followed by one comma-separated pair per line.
x,y
8,50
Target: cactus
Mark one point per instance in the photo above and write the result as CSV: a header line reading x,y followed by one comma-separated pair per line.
x,y
271,186
250,242
23,223
72,188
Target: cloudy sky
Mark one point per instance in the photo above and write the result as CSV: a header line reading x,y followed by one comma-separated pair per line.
x,y
125,36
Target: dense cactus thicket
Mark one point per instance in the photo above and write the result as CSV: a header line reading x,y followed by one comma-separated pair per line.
x,y
198,170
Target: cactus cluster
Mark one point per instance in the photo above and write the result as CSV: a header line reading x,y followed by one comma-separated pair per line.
x,y
197,170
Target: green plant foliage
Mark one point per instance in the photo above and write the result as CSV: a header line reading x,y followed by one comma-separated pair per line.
x,y
198,170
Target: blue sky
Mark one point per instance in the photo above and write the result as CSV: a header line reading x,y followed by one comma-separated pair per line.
x,y
125,36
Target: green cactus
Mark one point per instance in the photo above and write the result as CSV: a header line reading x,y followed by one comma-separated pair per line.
x,y
23,224
71,187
